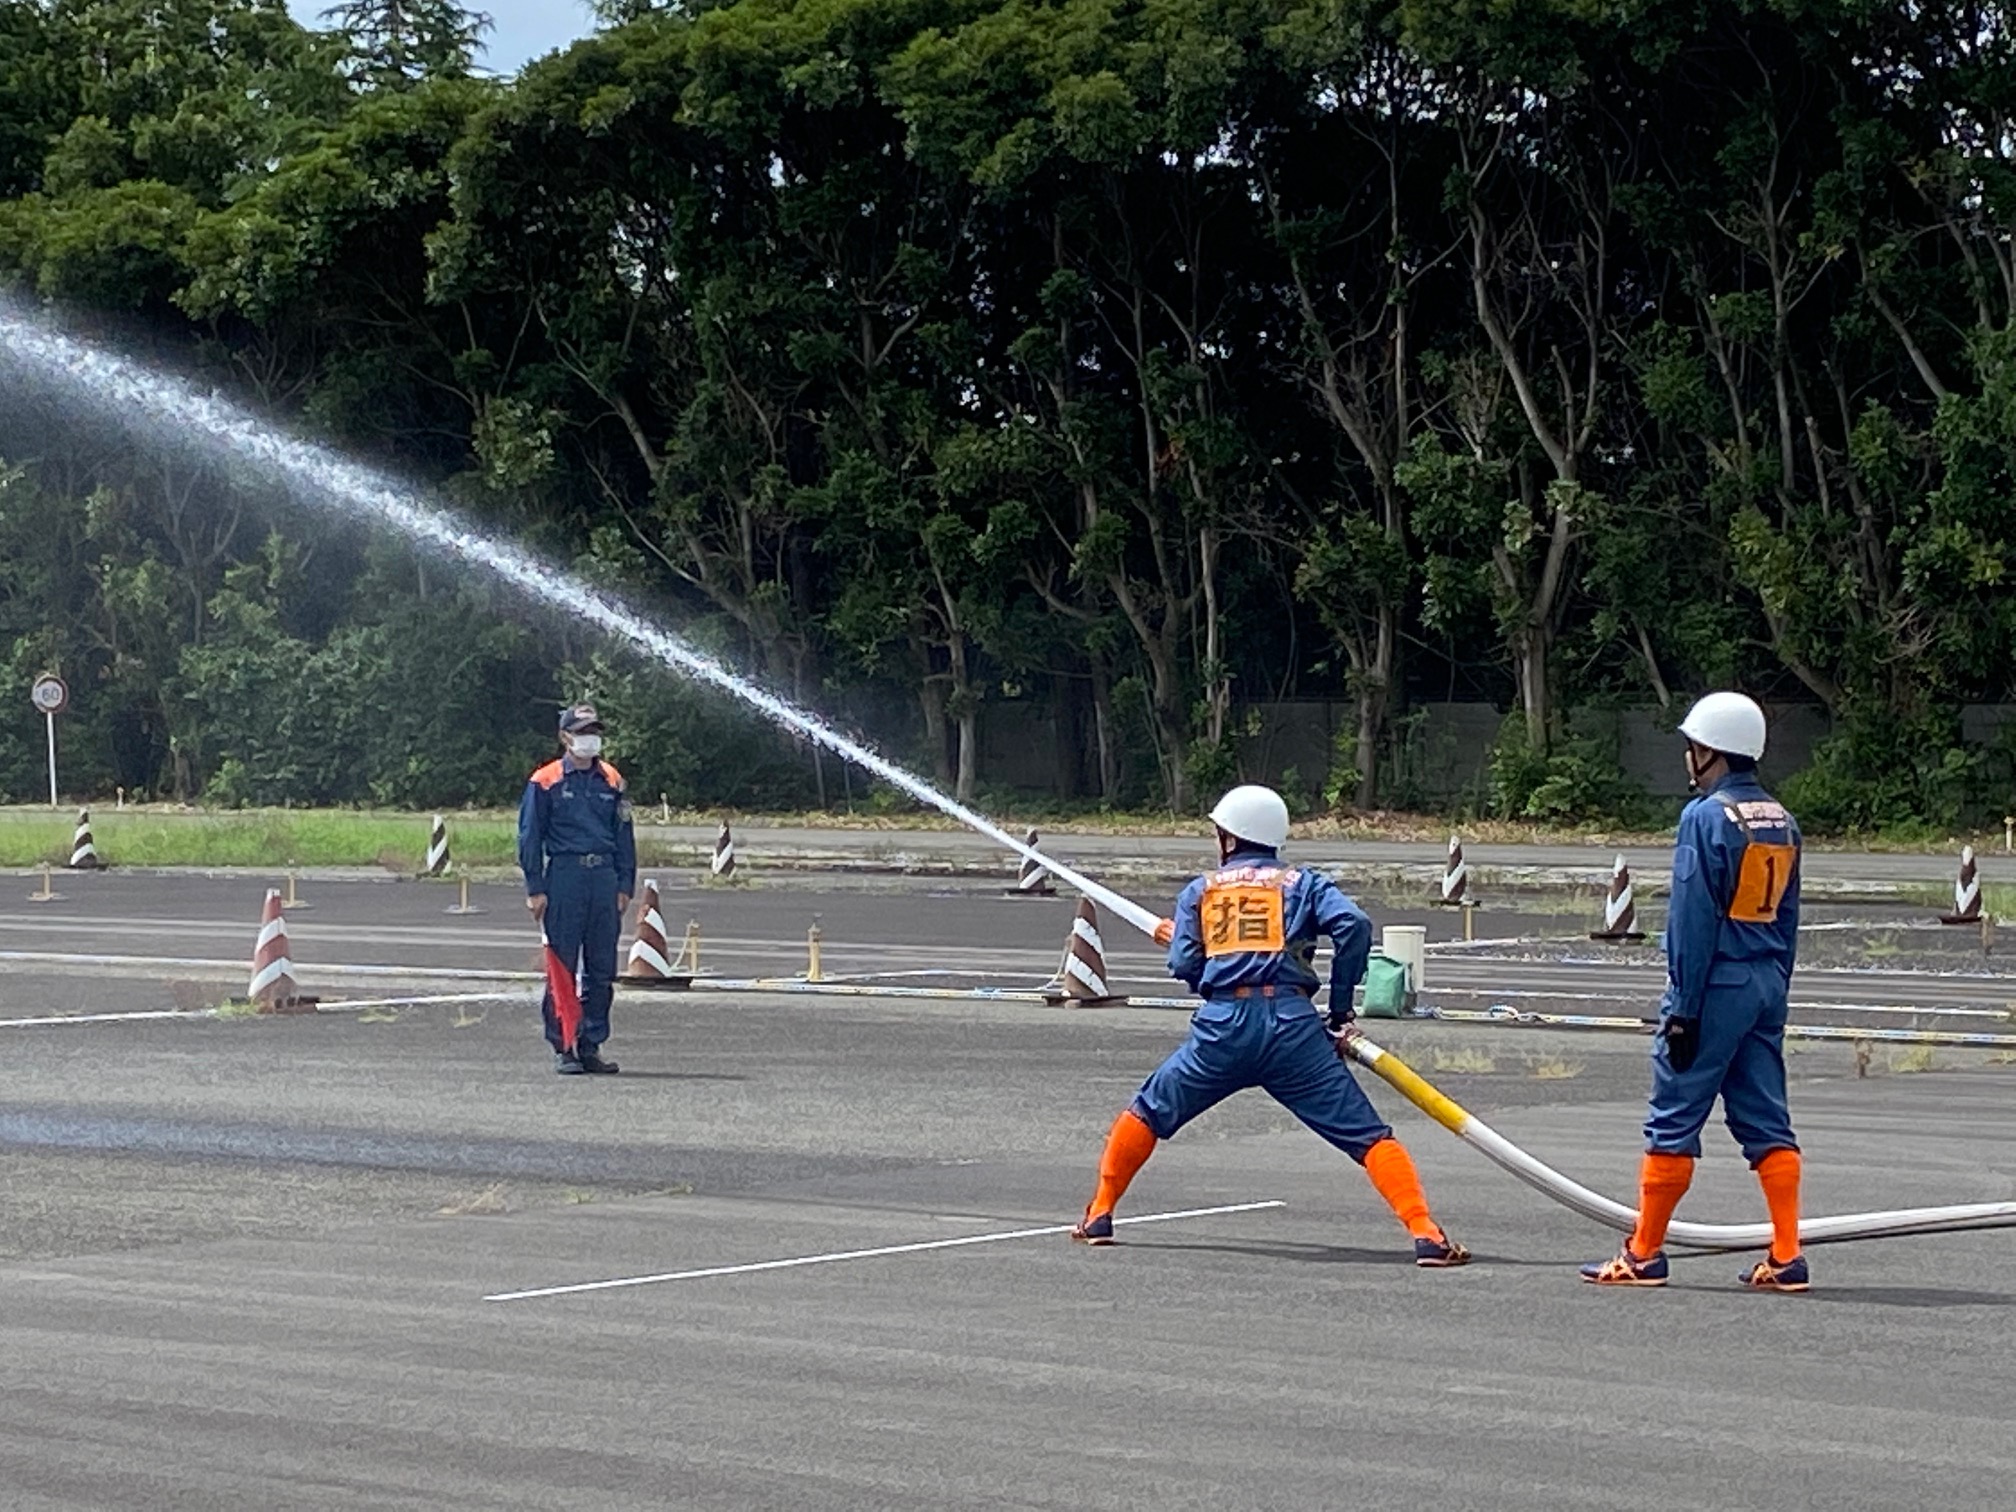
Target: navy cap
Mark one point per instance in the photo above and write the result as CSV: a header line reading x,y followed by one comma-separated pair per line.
x,y
580,720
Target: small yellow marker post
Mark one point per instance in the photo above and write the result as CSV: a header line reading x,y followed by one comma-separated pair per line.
x,y
812,937
47,893
292,901
1469,921
464,906
689,953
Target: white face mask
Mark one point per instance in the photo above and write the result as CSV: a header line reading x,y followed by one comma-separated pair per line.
x,y
587,747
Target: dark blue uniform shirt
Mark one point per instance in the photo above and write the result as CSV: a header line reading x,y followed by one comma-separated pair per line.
x,y
1256,923
1735,891
570,811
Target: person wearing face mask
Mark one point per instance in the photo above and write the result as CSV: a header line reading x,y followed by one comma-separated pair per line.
x,y
1732,933
578,850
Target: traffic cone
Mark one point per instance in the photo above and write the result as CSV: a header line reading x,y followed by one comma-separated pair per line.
x,y
83,852
723,864
437,849
273,988
649,964
1966,892
1033,881
1081,980
1455,877
1620,913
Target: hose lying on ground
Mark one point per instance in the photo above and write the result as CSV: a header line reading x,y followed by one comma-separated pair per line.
x,y
1572,1195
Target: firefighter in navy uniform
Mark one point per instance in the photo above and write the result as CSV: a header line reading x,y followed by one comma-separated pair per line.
x,y
1732,935
1243,938
578,850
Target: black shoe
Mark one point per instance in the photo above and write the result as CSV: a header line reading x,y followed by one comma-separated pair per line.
x,y
594,1065
568,1064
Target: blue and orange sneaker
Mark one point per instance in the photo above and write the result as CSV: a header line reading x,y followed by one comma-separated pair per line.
x,y
1440,1253
1094,1229
1626,1269
1768,1275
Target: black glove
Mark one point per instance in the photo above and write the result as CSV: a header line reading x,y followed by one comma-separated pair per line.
x,y
1339,1017
1683,1040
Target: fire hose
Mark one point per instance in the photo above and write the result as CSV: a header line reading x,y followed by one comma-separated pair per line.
x,y
1563,1189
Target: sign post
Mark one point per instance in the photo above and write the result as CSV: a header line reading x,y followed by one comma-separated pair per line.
x,y
52,698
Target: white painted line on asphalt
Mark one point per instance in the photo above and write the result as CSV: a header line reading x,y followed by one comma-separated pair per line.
x,y
109,1018
301,968
869,1254
341,1005
349,1005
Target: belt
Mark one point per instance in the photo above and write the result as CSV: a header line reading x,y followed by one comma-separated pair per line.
x,y
591,859
1267,991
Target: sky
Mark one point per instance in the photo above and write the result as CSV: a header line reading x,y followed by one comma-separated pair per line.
x,y
522,29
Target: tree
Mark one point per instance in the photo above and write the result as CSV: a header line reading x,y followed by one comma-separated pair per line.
x,y
395,44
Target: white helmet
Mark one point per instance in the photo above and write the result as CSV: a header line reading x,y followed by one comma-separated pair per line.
x,y
1253,813
1726,722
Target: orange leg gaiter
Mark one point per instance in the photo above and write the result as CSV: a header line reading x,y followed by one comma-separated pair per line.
x,y
1128,1147
1662,1181
1392,1171
1778,1174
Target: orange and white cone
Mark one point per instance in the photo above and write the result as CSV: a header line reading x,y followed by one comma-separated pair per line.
x,y
437,848
83,849
273,988
1455,876
1081,980
1620,911
723,864
1966,892
1033,881
650,963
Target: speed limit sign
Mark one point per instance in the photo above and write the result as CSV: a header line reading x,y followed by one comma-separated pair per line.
x,y
51,698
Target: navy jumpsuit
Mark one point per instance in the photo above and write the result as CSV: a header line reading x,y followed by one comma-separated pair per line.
x,y
577,846
1732,934
1245,936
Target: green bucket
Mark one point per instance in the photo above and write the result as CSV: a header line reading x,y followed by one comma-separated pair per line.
x,y
1386,991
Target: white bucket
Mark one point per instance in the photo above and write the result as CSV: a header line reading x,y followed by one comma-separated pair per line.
x,y
1408,944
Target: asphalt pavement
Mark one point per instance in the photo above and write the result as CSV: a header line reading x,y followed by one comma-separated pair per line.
x,y
251,1262
181,938
1356,860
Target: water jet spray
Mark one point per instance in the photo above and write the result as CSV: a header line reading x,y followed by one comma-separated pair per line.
x,y
182,415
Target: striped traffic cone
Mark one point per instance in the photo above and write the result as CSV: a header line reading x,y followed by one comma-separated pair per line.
x,y
273,988
1033,881
1966,892
650,964
1081,980
723,864
1620,912
437,849
1455,877
83,850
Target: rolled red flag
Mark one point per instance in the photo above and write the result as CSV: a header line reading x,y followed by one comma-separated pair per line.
x,y
566,998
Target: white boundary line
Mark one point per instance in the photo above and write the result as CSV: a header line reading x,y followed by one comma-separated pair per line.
x,y
301,968
109,1018
339,1005
867,1254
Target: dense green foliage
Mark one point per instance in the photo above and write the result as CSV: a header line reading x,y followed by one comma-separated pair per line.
x,y
1142,362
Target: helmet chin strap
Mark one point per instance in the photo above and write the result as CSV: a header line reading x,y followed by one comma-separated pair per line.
x,y
1696,770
